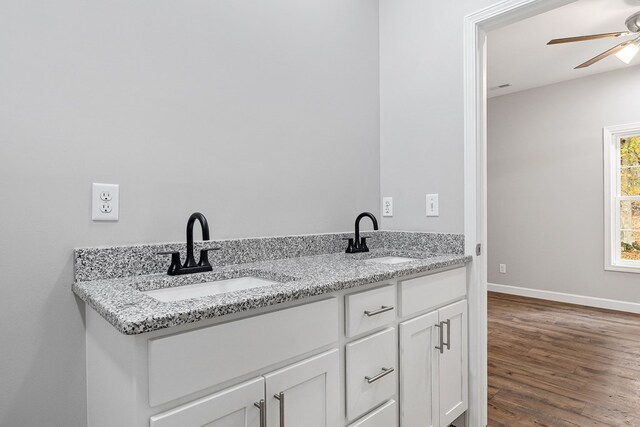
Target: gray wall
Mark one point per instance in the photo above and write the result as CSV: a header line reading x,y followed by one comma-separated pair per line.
x,y
421,110
545,184
262,115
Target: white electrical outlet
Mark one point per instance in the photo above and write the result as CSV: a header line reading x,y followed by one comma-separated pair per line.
x,y
387,206
503,268
105,202
433,206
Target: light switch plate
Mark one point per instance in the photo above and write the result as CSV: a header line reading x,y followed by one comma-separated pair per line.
x,y
105,202
433,206
387,206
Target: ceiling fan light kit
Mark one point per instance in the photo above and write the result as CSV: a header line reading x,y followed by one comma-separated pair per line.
x,y
624,51
629,51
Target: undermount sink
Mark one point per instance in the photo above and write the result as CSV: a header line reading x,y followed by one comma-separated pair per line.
x,y
391,260
198,290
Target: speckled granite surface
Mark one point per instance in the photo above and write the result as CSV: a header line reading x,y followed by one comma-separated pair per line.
x,y
305,268
124,261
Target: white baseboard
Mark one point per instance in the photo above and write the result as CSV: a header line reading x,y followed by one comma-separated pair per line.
x,y
630,307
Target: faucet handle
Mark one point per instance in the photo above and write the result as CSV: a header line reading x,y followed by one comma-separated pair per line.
x,y
363,244
175,261
204,256
350,248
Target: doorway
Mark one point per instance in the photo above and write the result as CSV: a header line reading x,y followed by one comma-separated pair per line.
x,y
476,26
476,91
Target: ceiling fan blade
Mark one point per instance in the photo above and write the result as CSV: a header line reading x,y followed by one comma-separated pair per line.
x,y
604,54
589,37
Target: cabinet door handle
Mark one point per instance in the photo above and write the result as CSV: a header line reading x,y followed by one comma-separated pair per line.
x,y
381,310
385,372
263,412
448,343
280,397
441,337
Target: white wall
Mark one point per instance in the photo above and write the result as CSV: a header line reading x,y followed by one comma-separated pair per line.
x,y
545,185
262,115
421,110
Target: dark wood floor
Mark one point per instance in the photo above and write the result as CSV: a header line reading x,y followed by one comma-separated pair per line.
x,y
554,364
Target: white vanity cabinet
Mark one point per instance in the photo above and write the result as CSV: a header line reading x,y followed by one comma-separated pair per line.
x,y
362,357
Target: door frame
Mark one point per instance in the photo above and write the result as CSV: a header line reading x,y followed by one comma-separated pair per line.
x,y
476,26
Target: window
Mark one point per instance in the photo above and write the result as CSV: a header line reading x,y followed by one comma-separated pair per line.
x,y
622,197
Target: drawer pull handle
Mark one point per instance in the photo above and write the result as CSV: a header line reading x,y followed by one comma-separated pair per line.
x,y
381,310
263,412
448,343
440,345
280,397
384,373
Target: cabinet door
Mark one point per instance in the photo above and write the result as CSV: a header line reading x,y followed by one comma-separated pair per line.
x,y
452,366
307,393
418,371
233,407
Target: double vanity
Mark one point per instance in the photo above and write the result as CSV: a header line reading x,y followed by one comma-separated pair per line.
x,y
287,331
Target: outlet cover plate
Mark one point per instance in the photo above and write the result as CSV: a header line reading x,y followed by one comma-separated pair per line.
x,y
387,206
105,202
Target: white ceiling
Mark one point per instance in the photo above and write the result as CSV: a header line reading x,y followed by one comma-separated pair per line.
x,y
518,54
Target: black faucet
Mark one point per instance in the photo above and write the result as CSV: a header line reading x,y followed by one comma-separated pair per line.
x,y
190,265
360,244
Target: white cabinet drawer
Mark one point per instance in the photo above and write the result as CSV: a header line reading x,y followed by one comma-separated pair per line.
x,y
434,290
371,372
385,416
187,362
366,311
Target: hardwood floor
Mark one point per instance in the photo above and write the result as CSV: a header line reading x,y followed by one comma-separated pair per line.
x,y
554,364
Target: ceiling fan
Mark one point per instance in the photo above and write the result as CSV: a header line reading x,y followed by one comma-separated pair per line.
x,y
625,51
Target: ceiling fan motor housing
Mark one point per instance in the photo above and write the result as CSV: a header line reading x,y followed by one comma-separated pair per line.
x,y
633,22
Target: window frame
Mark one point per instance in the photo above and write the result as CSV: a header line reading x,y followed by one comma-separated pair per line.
x,y
612,197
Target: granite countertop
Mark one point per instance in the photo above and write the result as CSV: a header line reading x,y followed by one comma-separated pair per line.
x,y
122,302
